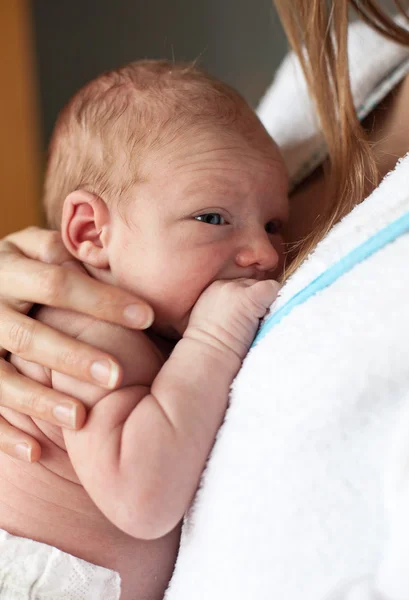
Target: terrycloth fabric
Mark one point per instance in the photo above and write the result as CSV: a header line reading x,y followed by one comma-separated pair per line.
x,y
376,66
306,493
33,571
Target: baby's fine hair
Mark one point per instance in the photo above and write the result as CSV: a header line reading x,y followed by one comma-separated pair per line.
x,y
103,136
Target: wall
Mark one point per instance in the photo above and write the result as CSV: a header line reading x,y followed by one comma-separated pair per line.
x,y
240,41
19,141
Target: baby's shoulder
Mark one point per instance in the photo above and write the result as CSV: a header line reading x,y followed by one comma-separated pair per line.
x,y
138,355
66,321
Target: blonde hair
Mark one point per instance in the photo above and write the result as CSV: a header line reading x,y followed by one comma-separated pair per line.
x,y
317,31
103,136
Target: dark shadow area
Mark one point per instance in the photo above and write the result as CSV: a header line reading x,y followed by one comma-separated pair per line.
x,y
240,41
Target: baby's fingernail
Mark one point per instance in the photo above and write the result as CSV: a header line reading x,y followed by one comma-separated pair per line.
x,y
23,451
275,284
139,316
65,414
105,372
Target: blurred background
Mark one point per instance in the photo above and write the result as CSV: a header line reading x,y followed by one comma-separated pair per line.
x,y
50,48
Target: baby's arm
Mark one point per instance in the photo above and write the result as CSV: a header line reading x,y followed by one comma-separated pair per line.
x,y
143,448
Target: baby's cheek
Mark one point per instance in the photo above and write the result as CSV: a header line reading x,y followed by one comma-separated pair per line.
x,y
174,305
124,275
280,248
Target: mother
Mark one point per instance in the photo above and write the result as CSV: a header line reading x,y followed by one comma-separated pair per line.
x,y
292,501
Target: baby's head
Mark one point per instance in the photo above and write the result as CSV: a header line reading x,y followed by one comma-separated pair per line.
x,y
162,180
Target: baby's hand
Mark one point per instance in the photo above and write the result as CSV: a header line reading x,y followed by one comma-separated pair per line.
x,y
227,314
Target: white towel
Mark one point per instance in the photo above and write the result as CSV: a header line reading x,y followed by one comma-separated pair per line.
x,y
305,493
32,570
288,114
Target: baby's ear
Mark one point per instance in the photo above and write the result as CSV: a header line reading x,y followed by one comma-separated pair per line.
x,y
85,228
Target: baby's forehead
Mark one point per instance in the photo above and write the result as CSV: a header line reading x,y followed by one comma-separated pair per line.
x,y
218,163
210,140
210,156
252,154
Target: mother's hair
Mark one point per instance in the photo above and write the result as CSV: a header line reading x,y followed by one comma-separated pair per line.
x,y
318,31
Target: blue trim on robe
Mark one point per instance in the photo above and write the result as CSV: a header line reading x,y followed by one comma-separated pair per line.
x,y
372,245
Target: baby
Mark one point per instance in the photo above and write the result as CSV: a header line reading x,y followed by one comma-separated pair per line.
x,y
163,181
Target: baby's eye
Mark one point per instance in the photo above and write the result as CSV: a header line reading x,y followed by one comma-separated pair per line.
x,y
211,219
274,227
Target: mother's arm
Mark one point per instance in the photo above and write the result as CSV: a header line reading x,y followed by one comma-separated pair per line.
x,y
35,268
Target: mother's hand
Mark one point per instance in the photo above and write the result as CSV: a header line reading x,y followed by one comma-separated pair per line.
x,y
33,271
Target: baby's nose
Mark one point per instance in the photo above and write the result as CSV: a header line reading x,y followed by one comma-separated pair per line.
x,y
261,254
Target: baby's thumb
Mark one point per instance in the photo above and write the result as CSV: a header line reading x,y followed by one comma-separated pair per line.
x,y
264,293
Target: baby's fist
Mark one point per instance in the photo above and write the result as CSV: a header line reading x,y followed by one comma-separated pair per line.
x,y
228,313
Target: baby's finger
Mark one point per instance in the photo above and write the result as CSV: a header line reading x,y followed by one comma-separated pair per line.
x,y
264,293
31,398
245,281
36,342
18,444
25,280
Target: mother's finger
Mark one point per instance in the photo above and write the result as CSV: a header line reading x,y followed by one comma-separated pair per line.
x,y
38,244
36,400
36,342
23,279
18,444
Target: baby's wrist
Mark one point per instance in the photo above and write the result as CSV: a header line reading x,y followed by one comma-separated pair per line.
x,y
224,348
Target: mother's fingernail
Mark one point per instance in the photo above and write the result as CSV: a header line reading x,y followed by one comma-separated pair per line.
x,y
65,415
105,372
23,451
139,316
